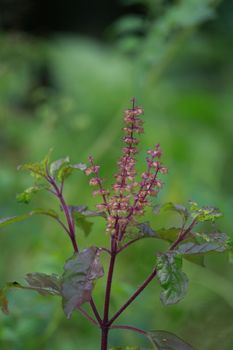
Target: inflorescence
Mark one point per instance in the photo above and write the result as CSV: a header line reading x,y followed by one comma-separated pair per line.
x,y
128,197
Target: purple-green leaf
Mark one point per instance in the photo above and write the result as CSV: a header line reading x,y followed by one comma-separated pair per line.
x,y
177,208
163,340
44,284
193,248
171,277
80,274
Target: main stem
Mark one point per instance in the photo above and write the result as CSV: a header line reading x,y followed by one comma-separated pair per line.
x,y
105,325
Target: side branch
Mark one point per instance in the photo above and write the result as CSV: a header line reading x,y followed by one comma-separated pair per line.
x,y
134,296
130,328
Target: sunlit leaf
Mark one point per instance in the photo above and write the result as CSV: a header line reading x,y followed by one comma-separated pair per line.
x,y
13,219
171,277
204,213
39,169
26,196
80,274
163,340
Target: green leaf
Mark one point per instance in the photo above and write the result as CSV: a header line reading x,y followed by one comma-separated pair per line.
x,y
197,259
80,214
13,219
39,169
204,213
67,169
172,279
80,274
56,166
3,301
26,196
177,208
168,234
44,284
163,340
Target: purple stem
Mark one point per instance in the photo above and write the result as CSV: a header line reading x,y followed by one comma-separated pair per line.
x,y
133,297
134,329
105,323
71,231
87,316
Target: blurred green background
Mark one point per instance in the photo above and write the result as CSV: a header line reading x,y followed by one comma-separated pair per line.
x,y
67,72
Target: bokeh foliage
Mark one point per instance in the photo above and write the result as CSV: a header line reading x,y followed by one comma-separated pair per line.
x,y
68,93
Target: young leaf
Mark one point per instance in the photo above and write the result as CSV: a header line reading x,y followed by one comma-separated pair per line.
x,y
163,340
39,169
66,169
44,284
26,196
12,219
204,213
80,274
56,166
172,279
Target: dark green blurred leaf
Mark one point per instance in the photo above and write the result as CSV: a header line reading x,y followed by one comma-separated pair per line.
x,y
13,219
80,274
171,277
129,24
163,340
